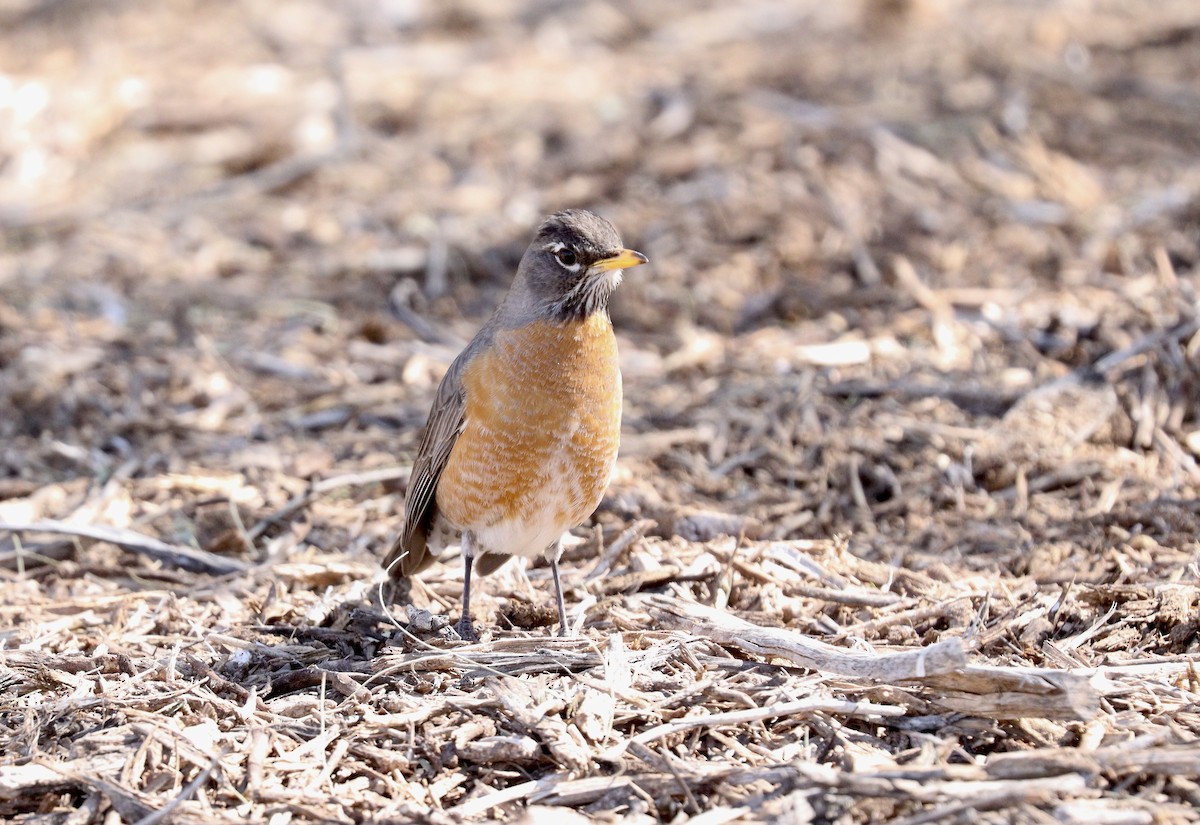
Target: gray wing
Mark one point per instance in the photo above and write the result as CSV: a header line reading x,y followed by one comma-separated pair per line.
x,y
409,553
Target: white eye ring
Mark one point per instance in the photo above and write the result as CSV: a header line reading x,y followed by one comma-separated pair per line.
x,y
565,256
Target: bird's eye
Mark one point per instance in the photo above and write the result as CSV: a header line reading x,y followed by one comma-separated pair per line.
x,y
566,257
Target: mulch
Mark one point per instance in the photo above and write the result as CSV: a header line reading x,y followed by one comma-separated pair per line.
x,y
905,525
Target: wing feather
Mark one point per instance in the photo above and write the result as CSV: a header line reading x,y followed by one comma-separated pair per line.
x,y
409,553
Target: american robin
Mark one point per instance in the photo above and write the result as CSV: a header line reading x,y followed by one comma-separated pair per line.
x,y
522,438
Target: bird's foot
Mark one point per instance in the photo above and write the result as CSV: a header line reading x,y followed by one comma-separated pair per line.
x,y
466,630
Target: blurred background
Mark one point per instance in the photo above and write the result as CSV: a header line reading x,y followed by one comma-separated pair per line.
x,y
240,243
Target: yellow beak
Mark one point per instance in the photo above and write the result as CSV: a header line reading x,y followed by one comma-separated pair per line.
x,y
622,260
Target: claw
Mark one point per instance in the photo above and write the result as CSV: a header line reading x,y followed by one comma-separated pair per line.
x,y
466,630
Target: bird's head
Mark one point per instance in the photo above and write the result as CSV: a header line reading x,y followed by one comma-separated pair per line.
x,y
573,265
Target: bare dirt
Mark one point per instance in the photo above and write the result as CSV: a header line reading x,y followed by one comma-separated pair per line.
x,y
913,389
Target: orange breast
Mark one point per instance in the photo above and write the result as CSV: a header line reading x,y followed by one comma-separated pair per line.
x,y
541,432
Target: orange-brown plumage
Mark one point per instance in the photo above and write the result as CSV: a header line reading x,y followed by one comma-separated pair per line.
x,y
523,434
543,400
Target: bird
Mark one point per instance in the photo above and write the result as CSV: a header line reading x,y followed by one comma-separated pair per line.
x,y
522,437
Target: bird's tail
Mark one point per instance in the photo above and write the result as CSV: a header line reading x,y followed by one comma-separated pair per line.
x,y
409,555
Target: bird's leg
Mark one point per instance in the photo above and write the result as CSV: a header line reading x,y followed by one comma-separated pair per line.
x,y
554,552
465,629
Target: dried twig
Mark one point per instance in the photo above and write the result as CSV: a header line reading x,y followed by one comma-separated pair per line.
x,y
801,706
175,555
943,657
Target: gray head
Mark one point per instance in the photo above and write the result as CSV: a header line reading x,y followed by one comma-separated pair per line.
x,y
571,268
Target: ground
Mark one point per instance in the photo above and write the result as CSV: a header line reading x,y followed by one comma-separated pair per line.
x,y
905,524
